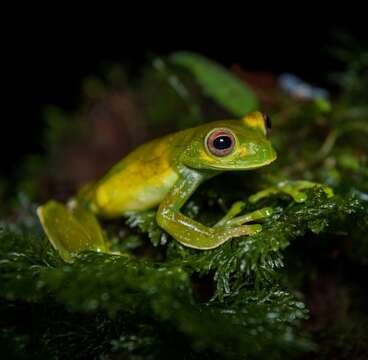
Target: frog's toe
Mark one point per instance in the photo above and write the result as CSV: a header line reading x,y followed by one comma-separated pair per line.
x,y
236,231
328,191
235,209
248,229
298,196
253,216
262,194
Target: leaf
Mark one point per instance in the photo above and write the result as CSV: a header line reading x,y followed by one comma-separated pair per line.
x,y
217,82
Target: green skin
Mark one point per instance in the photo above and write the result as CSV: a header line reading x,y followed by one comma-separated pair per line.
x,y
165,172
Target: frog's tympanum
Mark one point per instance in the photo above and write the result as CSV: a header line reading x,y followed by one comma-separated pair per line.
x,y
164,173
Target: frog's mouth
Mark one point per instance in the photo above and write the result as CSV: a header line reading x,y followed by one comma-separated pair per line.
x,y
242,168
246,165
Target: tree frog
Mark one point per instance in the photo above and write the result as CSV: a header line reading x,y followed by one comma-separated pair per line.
x,y
164,173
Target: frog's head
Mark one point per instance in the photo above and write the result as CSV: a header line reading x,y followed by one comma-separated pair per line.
x,y
231,144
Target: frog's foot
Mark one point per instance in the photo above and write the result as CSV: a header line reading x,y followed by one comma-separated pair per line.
x,y
292,188
71,230
230,218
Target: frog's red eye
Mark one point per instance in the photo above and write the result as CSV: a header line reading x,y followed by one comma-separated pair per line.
x,y
267,124
220,142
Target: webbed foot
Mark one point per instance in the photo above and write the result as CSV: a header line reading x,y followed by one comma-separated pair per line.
x,y
292,188
71,230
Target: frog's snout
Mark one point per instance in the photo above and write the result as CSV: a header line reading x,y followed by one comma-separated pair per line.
x,y
272,155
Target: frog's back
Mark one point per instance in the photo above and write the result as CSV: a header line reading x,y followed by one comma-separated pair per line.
x,y
140,180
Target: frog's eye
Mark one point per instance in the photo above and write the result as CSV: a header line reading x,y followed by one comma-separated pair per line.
x,y
267,124
220,142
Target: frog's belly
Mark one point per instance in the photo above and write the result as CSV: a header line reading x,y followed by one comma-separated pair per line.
x,y
135,189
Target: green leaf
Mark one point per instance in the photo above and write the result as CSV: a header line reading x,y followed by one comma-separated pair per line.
x,y
217,82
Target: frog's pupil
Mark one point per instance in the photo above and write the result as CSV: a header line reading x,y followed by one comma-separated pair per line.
x,y
222,142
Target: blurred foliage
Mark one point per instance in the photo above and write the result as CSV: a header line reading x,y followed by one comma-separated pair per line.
x,y
249,298
229,91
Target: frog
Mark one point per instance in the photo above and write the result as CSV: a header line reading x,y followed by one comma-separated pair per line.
x,y
164,173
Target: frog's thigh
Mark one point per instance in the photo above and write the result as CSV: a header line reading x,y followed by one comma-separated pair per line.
x,y
124,192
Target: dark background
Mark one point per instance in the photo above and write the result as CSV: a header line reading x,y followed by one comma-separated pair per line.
x,y
45,66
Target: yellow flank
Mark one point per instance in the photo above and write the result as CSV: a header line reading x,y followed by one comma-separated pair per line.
x,y
138,182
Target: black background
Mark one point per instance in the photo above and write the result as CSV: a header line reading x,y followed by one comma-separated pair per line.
x,y
46,61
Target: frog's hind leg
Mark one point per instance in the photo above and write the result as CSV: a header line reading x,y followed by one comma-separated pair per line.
x,y
293,188
71,230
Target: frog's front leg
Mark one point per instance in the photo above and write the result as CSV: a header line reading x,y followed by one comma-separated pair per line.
x,y
292,188
188,231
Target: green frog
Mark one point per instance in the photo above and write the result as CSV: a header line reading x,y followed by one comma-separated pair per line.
x,y
164,173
